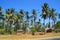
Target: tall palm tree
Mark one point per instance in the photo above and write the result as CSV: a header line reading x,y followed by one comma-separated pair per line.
x,y
27,17
34,16
15,22
44,11
18,20
53,15
1,16
21,16
39,25
7,15
9,18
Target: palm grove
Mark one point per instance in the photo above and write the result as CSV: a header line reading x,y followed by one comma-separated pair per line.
x,y
22,21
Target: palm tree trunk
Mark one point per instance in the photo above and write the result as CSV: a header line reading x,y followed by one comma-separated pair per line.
x,y
44,26
49,23
44,23
54,22
10,28
3,23
33,22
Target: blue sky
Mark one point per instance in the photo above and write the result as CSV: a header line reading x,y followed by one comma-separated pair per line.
x,y
28,5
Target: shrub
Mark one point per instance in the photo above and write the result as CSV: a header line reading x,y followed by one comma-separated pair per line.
x,y
57,30
42,29
33,30
2,31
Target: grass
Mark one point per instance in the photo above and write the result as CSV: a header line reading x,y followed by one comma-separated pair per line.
x,y
28,37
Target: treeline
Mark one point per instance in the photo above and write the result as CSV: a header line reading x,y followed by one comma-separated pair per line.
x,y
11,20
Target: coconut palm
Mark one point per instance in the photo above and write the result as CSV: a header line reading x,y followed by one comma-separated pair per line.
x,y
44,11
9,18
27,18
15,22
1,16
34,16
53,15
21,16
39,25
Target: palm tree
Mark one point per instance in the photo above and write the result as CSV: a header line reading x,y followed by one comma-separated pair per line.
x,y
1,16
15,22
53,15
18,20
34,16
44,11
9,18
21,16
39,25
27,17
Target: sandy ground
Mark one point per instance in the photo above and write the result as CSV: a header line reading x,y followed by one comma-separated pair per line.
x,y
29,37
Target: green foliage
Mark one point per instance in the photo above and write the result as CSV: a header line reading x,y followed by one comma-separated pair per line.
x,y
57,25
57,30
42,29
24,28
17,19
33,30
2,31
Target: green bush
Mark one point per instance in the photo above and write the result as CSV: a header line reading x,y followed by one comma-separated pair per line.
x,y
57,30
2,31
42,29
33,30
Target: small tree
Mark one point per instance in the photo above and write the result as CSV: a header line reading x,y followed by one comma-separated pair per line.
x,y
33,30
